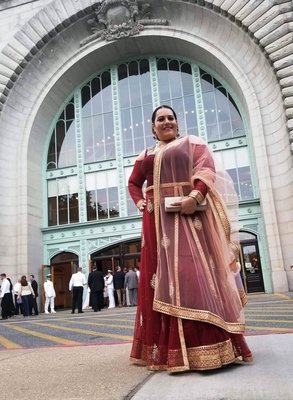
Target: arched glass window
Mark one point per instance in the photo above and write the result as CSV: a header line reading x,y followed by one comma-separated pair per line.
x,y
135,97
223,119
97,119
203,105
62,147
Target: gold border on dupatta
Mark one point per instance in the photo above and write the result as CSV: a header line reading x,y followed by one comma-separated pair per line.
x,y
220,211
198,315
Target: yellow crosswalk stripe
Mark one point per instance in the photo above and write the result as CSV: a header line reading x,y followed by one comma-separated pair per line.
x,y
283,296
85,331
269,320
8,344
269,310
268,328
256,315
96,324
114,319
42,335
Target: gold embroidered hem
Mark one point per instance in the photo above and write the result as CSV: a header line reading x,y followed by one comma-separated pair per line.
x,y
199,358
198,315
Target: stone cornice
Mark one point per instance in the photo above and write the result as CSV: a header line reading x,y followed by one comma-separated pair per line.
x,y
268,22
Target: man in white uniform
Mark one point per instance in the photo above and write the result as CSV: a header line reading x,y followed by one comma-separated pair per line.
x,y
50,295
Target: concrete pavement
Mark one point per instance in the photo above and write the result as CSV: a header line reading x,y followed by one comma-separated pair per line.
x,y
269,377
103,372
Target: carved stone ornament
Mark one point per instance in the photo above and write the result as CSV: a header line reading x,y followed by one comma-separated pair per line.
x,y
116,19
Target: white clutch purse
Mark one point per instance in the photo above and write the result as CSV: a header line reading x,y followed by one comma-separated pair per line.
x,y
169,201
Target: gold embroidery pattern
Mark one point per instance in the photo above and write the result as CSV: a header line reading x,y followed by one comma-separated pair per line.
x,y
142,240
197,223
203,357
199,358
165,242
153,281
169,185
150,206
155,352
141,320
198,315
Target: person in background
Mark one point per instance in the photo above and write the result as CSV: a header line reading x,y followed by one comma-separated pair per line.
x,y
25,294
11,302
50,295
110,288
190,308
106,295
76,284
137,271
131,283
118,280
96,284
126,298
5,296
17,299
34,304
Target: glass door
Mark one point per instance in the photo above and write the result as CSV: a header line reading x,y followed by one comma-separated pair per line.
x,y
251,267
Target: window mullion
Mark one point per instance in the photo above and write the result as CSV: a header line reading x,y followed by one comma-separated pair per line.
x,y
197,89
118,135
154,82
80,159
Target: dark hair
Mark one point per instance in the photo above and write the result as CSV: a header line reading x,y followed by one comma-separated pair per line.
x,y
158,108
33,276
23,281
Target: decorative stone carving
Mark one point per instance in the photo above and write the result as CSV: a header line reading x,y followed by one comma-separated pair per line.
x,y
116,19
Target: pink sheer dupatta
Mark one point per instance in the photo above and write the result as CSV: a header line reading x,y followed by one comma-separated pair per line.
x,y
196,255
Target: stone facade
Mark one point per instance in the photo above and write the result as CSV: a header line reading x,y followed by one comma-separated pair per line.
x,y
248,43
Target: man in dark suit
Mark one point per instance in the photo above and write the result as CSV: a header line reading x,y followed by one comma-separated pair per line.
x,y
96,284
33,299
119,285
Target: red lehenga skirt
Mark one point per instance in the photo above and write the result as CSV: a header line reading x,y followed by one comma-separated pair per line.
x,y
156,342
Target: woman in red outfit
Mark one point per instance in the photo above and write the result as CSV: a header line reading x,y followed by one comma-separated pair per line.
x,y
190,299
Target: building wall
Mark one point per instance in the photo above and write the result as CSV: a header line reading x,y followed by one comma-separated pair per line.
x,y
248,43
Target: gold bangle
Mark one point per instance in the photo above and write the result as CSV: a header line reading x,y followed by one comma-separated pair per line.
x,y
196,195
139,204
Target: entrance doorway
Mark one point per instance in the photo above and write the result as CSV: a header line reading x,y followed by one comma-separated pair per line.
x,y
251,270
126,255
62,266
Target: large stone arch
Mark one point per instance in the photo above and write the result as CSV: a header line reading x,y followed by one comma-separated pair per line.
x,y
56,65
267,22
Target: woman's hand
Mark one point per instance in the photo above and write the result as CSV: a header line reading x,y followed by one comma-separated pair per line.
x,y
141,204
188,206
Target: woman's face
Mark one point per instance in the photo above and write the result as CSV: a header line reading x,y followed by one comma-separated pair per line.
x,y
165,125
